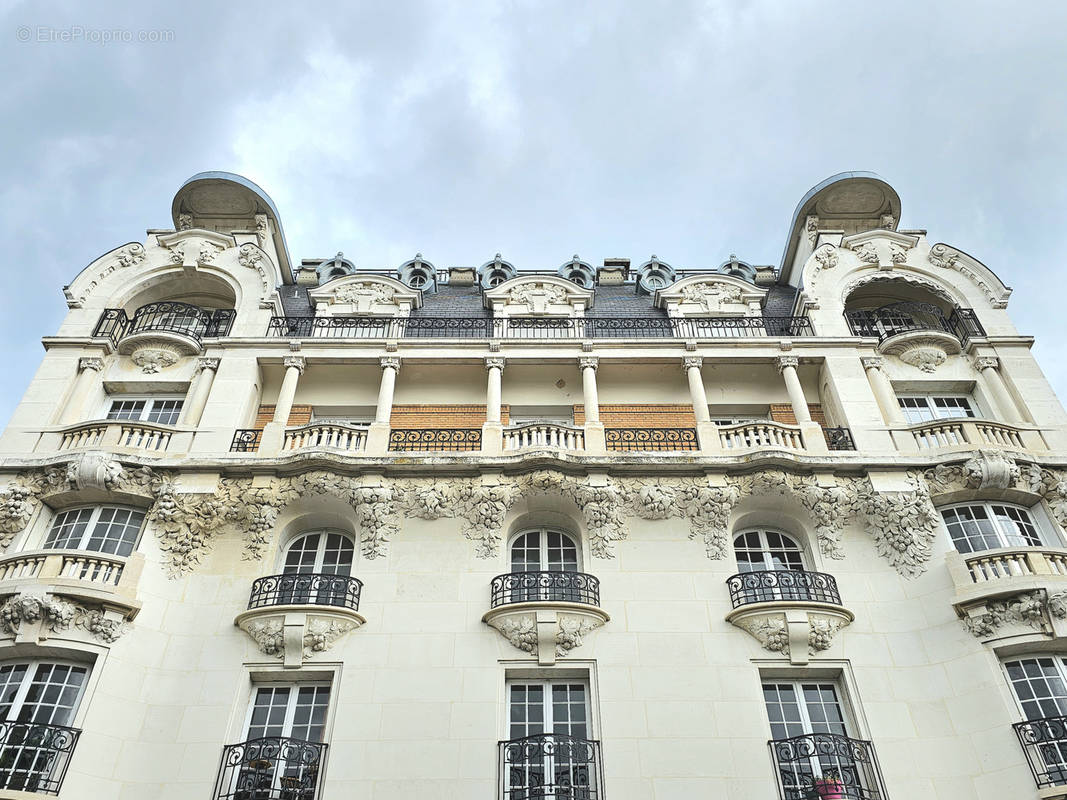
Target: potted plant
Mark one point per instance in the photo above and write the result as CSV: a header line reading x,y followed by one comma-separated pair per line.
x,y
829,786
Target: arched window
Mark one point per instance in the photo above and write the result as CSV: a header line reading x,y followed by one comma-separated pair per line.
x,y
102,529
321,555
544,566
765,550
988,526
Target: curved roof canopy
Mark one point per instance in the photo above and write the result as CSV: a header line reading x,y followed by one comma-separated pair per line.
x,y
850,197
224,202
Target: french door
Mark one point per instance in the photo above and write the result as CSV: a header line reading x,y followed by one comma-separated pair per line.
x,y
817,764
773,552
549,754
38,701
543,551
320,555
1040,687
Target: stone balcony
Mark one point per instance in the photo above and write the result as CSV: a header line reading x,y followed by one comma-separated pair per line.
x,y
967,433
120,436
541,435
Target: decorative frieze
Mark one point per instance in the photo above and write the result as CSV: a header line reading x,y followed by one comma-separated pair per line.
x,y
35,617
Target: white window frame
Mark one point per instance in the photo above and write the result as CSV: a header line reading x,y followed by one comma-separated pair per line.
x,y
546,685
90,527
149,401
31,669
1059,660
1046,533
324,533
930,397
765,548
543,545
290,710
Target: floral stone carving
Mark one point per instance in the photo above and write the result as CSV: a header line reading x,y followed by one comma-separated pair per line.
x,y
1026,609
795,629
296,634
545,629
35,617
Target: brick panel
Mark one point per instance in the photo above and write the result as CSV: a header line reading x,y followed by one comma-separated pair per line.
x,y
783,412
643,415
442,416
298,415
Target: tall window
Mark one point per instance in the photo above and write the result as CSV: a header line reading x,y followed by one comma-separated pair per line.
x,y
820,763
319,555
1040,687
927,407
987,526
535,553
161,410
103,529
282,754
35,698
769,562
555,758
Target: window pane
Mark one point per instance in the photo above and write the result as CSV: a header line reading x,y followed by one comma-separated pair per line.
x,y
68,529
52,695
126,409
116,531
916,409
952,407
971,528
1016,526
1039,686
165,412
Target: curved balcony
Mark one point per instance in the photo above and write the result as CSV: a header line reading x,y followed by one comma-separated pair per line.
x,y
326,436
898,319
95,578
826,765
182,325
968,433
792,612
297,615
1044,742
543,434
758,435
144,438
545,612
550,765
34,756
272,768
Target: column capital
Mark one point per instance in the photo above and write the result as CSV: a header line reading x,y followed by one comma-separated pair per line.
x,y
590,362
872,362
986,362
786,362
95,364
390,362
297,362
495,362
692,362
207,363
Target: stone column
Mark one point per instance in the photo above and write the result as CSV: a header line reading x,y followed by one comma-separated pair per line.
x,y
194,407
88,371
1007,409
378,435
274,431
811,431
874,366
493,429
707,433
594,428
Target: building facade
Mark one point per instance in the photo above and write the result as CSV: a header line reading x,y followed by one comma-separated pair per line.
x,y
619,531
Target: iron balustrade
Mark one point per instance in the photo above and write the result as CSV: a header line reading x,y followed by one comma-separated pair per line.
x,y
536,327
545,585
169,317
782,584
271,768
550,765
653,439
435,439
897,318
34,756
306,588
245,440
839,438
826,765
1044,741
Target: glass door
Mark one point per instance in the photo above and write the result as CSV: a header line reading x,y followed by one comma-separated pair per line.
x,y
549,755
319,556
543,551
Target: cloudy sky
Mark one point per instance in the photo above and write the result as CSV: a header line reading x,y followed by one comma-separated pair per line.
x,y
540,129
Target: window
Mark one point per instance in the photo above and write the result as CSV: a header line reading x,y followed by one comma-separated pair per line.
x,y
925,408
1040,688
724,421
103,529
987,526
37,700
771,567
549,754
762,550
535,553
282,754
813,753
160,410
319,553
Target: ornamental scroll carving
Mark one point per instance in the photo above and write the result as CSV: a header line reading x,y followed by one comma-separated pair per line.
x,y
37,616
712,295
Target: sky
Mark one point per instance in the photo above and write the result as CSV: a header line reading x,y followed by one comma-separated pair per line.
x,y
536,129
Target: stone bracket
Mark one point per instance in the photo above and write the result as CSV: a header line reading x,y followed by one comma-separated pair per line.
x,y
797,630
547,630
296,634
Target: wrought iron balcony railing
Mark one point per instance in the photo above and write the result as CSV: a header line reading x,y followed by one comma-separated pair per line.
x,y
442,439
308,588
897,318
651,439
839,438
34,757
245,440
826,765
1044,742
545,585
766,586
271,768
537,327
550,766
167,317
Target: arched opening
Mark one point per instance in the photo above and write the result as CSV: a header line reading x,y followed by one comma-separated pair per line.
x,y
316,569
545,564
885,308
773,566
